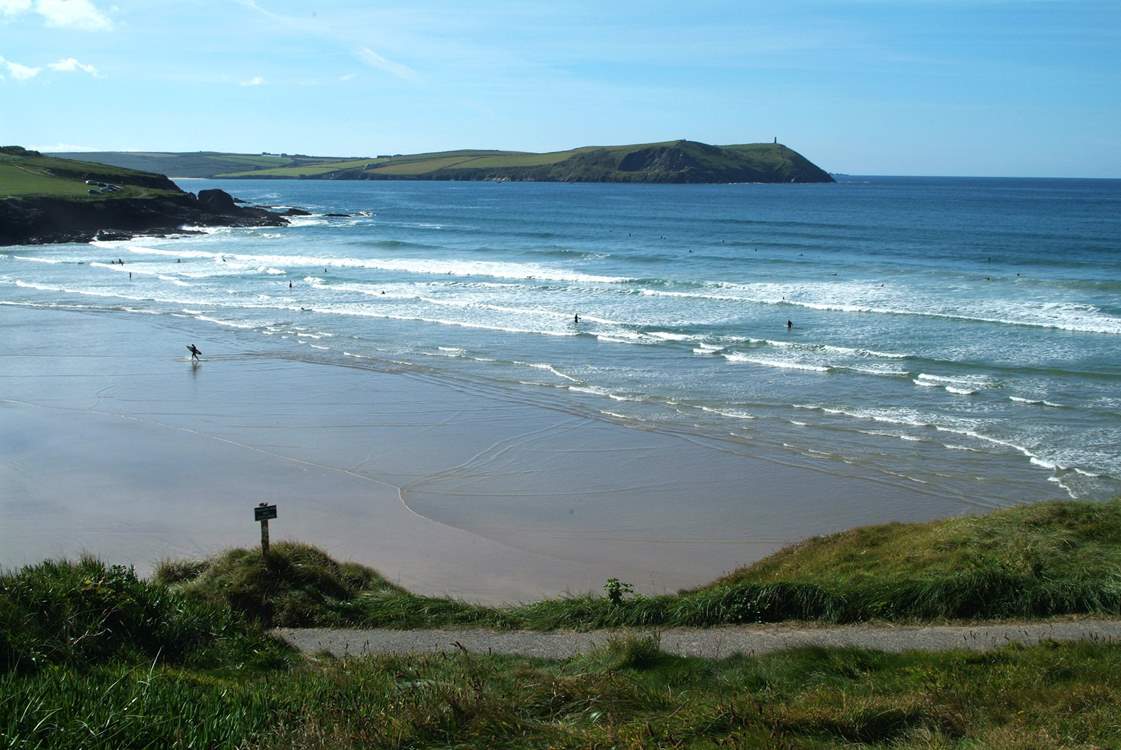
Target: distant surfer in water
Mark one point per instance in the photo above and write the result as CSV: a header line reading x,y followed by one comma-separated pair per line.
x,y
576,318
195,353
789,324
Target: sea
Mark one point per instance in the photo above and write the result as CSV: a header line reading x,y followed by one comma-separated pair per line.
x,y
946,332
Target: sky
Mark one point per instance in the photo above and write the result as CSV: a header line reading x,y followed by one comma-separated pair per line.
x,y
902,87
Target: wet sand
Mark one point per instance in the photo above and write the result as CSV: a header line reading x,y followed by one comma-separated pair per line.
x,y
112,443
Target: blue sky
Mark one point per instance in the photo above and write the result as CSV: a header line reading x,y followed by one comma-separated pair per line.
x,y
938,87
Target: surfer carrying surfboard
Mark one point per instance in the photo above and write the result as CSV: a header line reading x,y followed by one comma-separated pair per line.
x,y
195,353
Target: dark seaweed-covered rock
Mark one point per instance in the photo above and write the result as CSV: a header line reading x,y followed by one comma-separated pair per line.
x,y
25,221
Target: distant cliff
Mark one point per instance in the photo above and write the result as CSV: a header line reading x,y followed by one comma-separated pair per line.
x,y
45,199
680,161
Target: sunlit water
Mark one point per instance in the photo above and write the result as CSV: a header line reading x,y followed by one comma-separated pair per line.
x,y
945,331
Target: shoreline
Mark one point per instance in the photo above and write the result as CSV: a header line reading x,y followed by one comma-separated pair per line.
x,y
113,444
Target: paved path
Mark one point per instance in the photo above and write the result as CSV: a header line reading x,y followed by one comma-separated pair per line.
x,y
707,642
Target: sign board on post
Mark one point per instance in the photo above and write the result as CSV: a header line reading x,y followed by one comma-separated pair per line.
x,y
263,512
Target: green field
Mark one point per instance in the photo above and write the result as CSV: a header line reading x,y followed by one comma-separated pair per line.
x,y
196,163
92,657
27,174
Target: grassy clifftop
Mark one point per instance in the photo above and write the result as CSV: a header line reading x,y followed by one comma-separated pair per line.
x,y
29,174
46,199
669,161
1033,561
195,163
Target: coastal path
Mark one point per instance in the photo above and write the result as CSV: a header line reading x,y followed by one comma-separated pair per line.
x,y
716,642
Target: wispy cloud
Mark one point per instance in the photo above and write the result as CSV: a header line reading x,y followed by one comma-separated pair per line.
x,y
254,81
19,72
14,7
348,76
315,26
74,14
69,14
374,60
71,65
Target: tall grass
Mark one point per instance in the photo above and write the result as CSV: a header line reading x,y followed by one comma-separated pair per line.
x,y
87,612
627,695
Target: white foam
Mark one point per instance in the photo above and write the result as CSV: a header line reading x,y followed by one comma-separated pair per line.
x,y
765,362
595,390
50,261
667,336
1035,402
137,271
549,368
883,372
733,413
420,266
1059,481
869,298
226,323
306,221
959,380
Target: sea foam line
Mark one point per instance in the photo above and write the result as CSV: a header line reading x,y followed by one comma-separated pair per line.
x,y
424,266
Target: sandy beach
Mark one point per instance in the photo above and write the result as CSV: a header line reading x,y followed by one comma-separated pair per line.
x,y
112,443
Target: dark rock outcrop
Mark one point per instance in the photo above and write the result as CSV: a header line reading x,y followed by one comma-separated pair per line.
x,y
26,221
218,201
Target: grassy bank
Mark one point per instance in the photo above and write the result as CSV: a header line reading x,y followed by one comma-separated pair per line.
x,y
93,657
1033,561
628,695
29,174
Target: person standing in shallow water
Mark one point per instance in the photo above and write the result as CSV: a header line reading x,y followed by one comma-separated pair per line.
x,y
789,324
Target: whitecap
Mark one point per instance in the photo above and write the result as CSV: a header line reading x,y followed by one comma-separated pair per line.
x,y
764,362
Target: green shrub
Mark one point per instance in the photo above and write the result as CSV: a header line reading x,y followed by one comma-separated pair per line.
x,y
87,612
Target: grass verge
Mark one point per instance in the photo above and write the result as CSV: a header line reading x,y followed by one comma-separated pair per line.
x,y
1032,561
628,695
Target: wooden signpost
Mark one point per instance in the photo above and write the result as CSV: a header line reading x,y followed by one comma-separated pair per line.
x,y
263,512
